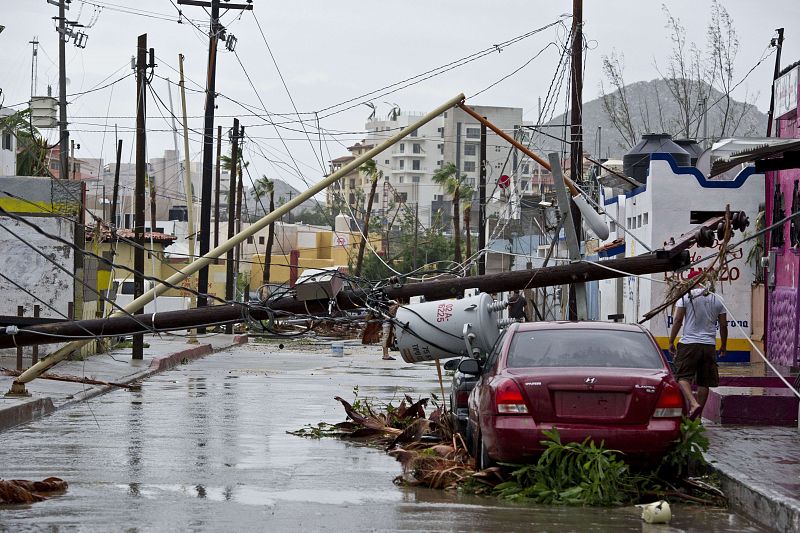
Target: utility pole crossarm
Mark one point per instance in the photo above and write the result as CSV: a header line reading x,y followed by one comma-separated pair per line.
x,y
199,3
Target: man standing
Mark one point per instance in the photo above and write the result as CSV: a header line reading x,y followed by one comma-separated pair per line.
x,y
695,358
516,306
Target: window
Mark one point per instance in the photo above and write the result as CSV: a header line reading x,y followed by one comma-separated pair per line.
x,y
646,216
352,183
612,227
639,221
261,240
416,148
438,197
413,133
414,179
403,196
470,149
469,166
54,165
415,164
609,348
402,148
439,163
250,240
526,168
473,133
386,162
400,179
524,185
6,140
402,164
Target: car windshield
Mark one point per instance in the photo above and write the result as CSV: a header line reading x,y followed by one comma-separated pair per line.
x,y
582,347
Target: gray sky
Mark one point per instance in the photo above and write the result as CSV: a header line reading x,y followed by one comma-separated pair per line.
x,y
329,52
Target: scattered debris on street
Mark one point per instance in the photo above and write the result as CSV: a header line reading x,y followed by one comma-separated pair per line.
x,y
15,491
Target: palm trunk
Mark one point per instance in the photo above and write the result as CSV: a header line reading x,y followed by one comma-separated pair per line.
x,y
270,241
365,229
457,225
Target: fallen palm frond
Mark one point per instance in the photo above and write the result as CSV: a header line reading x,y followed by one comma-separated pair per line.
x,y
24,491
567,473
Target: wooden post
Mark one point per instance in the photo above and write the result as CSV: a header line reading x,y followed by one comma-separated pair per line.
x,y
35,352
20,312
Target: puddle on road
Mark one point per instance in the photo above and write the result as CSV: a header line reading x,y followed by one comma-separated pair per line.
x,y
249,495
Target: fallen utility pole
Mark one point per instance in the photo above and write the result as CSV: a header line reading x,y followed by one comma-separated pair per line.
x,y
18,386
652,263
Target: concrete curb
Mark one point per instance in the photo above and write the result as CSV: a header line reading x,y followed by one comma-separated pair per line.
x,y
759,503
25,411
30,410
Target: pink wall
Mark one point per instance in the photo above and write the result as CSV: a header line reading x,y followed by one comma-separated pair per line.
x,y
783,327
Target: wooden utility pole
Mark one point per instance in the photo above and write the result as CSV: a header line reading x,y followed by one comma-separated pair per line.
x,y
778,42
217,183
576,127
482,205
215,28
239,199
63,133
141,169
416,234
229,259
270,239
365,229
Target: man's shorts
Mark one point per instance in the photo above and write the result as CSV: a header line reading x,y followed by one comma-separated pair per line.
x,y
698,363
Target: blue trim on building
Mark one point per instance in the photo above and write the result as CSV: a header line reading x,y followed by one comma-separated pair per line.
x,y
701,180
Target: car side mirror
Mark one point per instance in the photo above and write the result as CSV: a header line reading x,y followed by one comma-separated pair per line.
x,y
451,364
470,367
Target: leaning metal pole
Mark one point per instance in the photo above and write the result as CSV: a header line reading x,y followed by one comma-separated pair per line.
x,y
18,386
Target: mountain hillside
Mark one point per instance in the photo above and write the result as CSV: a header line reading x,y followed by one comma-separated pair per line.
x,y
652,109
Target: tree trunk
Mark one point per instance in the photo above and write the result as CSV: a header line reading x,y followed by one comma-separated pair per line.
x,y
270,241
365,229
457,225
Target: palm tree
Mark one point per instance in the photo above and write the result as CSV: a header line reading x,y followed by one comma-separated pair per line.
x,y
32,148
370,168
260,188
466,193
447,178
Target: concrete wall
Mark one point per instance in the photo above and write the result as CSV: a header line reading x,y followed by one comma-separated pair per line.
x,y
37,274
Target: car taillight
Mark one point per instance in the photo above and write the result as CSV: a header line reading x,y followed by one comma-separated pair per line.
x,y
508,398
670,402
462,397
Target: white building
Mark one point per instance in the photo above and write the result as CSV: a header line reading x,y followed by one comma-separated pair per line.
x,y
671,202
8,149
454,137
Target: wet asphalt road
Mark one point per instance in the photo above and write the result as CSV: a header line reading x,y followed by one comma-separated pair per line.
x,y
204,448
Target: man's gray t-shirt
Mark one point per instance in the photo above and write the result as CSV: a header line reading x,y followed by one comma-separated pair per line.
x,y
702,312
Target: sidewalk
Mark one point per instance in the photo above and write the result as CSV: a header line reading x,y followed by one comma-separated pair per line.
x,y
116,366
760,471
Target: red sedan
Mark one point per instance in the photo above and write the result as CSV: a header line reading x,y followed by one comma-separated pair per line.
x,y
606,381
